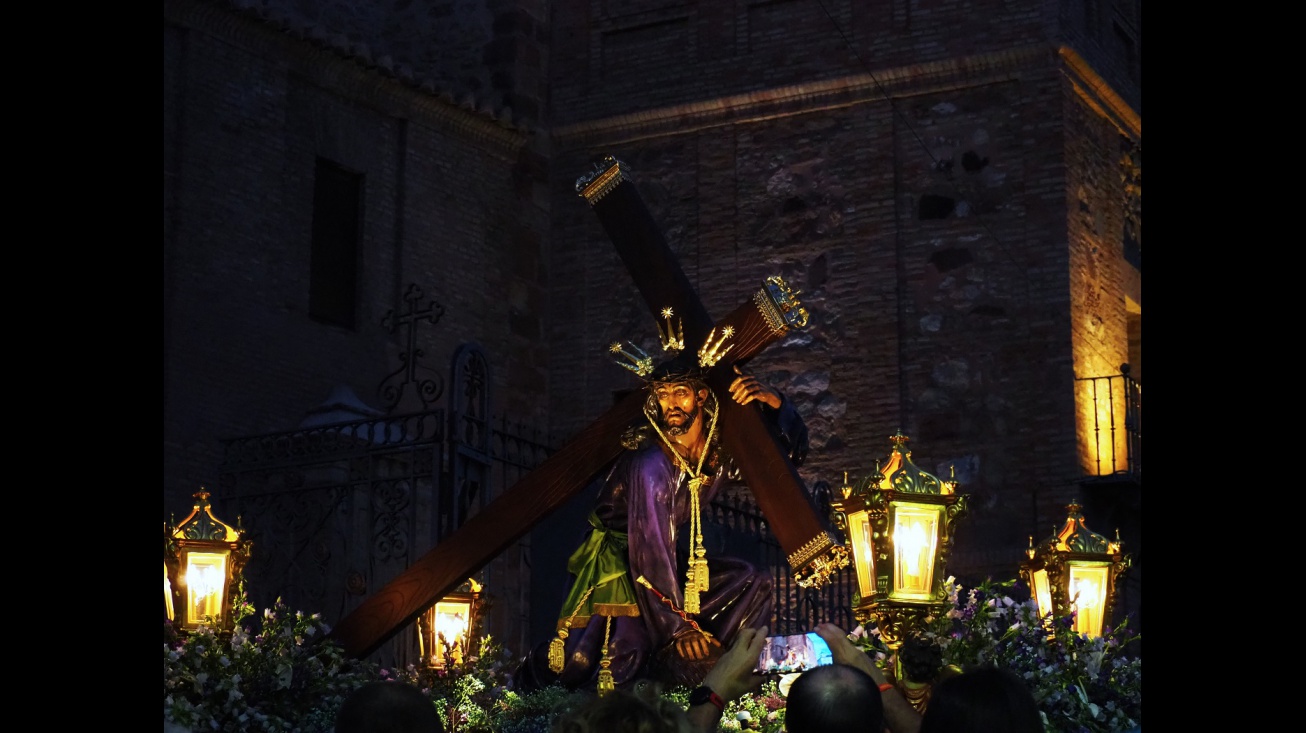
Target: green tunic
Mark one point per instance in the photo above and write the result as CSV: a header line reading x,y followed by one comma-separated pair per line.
x,y
602,578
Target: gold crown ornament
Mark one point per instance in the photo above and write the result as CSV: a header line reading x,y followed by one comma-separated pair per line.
x,y
673,337
638,362
711,352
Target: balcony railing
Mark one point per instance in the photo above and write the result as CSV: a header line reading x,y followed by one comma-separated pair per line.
x,y
1111,410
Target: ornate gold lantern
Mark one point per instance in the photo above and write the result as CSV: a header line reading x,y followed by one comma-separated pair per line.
x,y
446,632
203,559
899,523
1075,571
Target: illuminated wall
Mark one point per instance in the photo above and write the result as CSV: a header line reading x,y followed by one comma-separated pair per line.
x,y
1103,169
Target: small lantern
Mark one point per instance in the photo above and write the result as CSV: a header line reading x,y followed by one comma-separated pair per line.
x,y
203,559
1075,571
900,524
447,630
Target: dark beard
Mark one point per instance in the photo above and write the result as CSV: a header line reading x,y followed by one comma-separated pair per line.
x,y
684,427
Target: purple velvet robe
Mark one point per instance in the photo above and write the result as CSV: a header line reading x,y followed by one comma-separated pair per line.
x,y
646,495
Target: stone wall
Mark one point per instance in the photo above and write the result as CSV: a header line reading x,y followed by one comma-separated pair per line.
x,y
450,204
936,177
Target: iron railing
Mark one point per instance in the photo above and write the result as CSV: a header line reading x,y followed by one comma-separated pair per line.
x,y
336,511
1110,410
795,610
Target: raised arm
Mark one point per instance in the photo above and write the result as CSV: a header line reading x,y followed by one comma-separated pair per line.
x,y
899,715
730,678
781,414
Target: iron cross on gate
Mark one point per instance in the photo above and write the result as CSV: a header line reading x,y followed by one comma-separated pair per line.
x,y
392,387
781,496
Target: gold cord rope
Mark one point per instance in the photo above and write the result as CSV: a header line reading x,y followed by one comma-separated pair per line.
x,y
696,579
556,659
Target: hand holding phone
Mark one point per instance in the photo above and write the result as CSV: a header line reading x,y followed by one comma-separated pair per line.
x,y
793,653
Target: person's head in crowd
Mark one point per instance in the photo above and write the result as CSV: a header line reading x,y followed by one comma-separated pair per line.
x,y
983,700
834,698
388,707
638,710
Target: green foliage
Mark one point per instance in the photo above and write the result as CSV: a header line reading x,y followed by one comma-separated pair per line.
x,y
279,674
762,711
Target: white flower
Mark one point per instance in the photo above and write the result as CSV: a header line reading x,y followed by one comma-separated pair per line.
x,y
787,681
743,715
1093,663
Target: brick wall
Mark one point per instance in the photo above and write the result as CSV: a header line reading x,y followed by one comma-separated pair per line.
x,y
449,205
957,247
932,237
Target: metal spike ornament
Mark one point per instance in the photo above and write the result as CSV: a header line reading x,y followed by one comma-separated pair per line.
x,y
638,362
673,336
711,352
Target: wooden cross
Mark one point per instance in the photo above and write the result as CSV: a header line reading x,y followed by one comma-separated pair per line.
x,y
781,496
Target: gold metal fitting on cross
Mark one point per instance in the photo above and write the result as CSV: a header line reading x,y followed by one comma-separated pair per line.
x,y
779,305
816,560
817,572
599,182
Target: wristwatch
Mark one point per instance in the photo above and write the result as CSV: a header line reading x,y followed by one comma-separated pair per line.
x,y
704,694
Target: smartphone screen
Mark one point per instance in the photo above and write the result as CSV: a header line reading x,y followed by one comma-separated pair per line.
x,y
795,653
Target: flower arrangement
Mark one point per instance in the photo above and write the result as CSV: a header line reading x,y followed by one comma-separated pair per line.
x,y
277,673
280,676
1082,684
762,711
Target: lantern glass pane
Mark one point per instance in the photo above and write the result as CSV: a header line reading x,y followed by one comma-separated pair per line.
x,y
860,534
167,595
1042,593
1088,595
450,620
206,579
915,542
